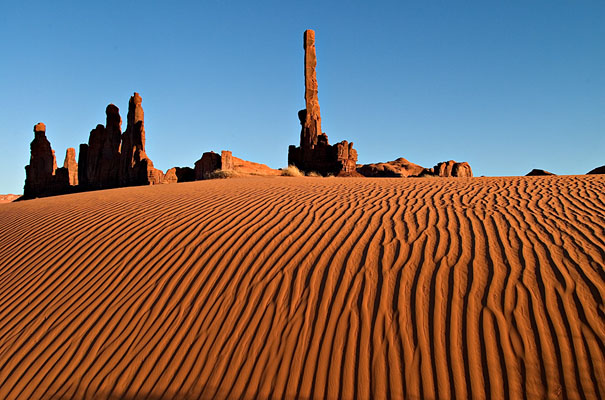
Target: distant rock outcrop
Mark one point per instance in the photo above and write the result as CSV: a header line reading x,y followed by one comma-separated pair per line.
x,y
184,174
538,172
452,168
397,169
211,162
8,198
315,154
252,168
170,176
598,170
404,168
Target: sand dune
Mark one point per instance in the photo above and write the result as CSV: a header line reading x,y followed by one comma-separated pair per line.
x,y
307,288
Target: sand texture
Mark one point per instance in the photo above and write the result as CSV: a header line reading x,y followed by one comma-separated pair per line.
x,y
277,287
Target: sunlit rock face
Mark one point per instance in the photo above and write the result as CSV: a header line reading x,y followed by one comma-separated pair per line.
x,y
315,154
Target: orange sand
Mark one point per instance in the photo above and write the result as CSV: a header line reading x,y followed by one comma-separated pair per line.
x,y
307,288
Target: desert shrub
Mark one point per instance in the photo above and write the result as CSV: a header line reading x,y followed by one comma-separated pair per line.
x,y
291,170
220,174
314,174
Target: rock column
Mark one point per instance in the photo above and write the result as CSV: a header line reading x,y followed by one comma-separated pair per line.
x,y
135,167
71,166
103,152
42,164
311,128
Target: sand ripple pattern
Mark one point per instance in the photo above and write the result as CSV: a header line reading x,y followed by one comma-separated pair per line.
x,y
307,288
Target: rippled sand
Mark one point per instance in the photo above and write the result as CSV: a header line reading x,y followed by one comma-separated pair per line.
x,y
307,288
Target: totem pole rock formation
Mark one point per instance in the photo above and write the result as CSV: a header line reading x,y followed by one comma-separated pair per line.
x,y
315,153
102,154
310,117
42,164
135,168
42,177
110,159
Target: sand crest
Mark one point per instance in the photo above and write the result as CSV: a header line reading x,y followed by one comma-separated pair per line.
x,y
307,288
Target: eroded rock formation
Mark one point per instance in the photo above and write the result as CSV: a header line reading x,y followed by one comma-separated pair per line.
x,y
71,166
135,167
211,162
310,117
404,168
170,176
109,159
598,170
315,154
252,168
42,164
398,168
103,152
184,174
538,172
452,168
42,177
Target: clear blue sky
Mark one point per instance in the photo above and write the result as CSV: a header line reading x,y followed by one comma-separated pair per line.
x,y
507,86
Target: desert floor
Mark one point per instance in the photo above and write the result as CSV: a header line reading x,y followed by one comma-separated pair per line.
x,y
343,288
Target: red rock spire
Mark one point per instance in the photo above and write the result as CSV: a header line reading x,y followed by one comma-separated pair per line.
x,y
312,117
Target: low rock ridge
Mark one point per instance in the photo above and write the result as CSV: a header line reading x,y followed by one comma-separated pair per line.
x,y
539,172
401,168
7,198
212,162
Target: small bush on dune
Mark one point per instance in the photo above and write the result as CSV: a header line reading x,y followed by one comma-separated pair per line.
x,y
291,170
314,174
221,174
